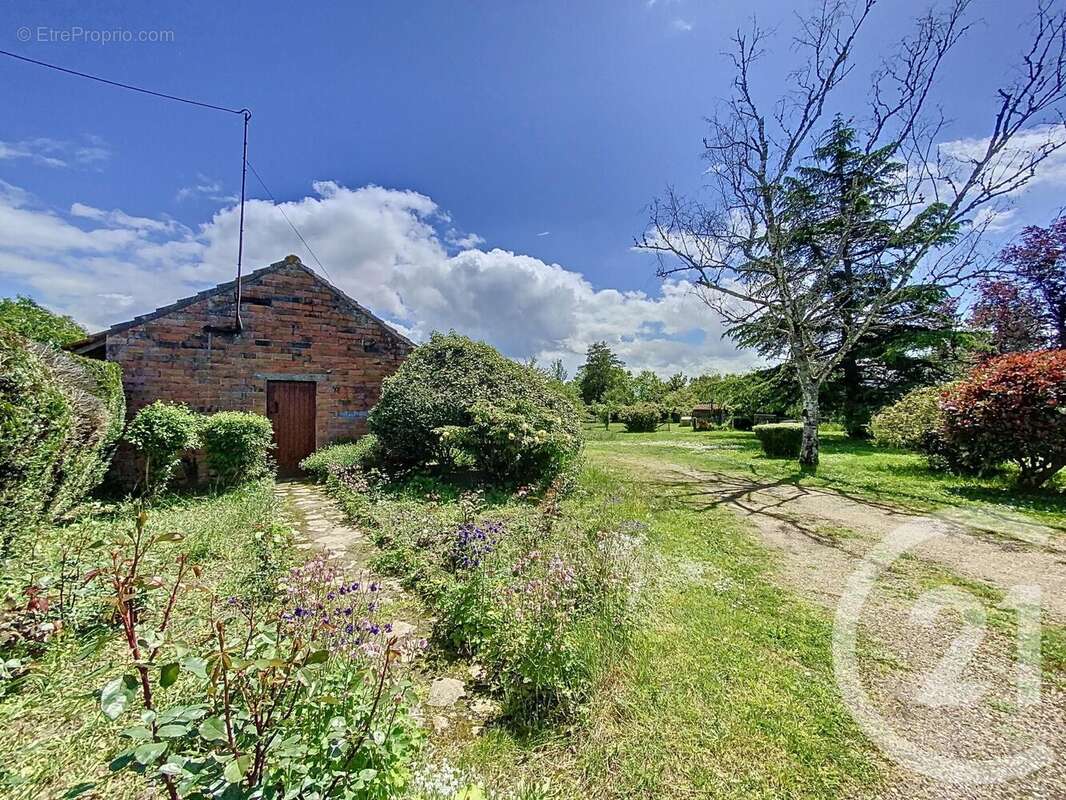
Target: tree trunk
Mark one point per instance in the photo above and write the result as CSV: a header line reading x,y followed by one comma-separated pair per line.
x,y
1034,474
854,418
808,456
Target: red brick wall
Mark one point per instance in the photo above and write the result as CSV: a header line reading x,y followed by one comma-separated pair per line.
x,y
306,330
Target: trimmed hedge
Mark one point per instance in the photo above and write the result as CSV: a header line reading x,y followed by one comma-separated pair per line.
x,y
237,446
458,402
780,439
60,418
641,418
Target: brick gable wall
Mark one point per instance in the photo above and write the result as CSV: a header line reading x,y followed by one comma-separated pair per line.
x,y
294,327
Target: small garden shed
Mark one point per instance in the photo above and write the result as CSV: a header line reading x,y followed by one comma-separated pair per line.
x,y
706,415
305,355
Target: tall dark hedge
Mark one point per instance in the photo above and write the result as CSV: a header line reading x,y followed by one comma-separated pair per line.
x,y
455,397
60,418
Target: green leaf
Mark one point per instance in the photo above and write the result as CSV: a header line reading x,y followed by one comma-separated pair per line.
x,y
78,789
235,769
367,775
121,761
152,639
172,731
317,657
147,753
114,697
212,729
196,665
137,732
168,674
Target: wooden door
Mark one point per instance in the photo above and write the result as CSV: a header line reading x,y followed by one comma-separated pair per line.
x,y
291,408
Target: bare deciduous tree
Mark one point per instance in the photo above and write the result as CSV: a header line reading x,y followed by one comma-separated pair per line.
x,y
742,246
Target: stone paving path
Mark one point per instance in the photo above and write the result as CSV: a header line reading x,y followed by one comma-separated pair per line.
x,y
322,526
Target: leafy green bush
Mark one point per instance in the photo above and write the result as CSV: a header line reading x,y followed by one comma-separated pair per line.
x,y
641,418
911,423
60,417
237,445
916,422
36,323
162,432
516,440
455,400
364,454
780,439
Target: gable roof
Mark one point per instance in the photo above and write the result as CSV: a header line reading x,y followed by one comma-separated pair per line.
x,y
229,287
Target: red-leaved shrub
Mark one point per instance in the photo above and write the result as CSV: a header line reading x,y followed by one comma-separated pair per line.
x,y
1012,408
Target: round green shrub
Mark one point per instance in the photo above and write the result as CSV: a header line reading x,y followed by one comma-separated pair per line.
x,y
456,401
912,422
517,440
162,432
780,439
237,446
640,418
917,422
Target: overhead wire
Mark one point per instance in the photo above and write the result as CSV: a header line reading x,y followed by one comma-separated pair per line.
x,y
121,85
244,112
295,230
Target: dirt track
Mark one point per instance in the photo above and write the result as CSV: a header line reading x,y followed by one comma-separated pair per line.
x,y
822,538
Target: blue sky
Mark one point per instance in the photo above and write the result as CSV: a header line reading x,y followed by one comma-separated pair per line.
x,y
510,149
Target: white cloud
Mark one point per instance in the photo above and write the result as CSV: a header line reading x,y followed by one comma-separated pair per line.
x,y
208,188
995,220
392,250
682,25
463,241
120,219
958,153
56,152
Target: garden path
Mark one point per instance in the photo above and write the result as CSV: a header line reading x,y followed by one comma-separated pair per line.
x,y
821,537
322,526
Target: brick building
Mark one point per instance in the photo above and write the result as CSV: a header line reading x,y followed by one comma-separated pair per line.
x,y
307,356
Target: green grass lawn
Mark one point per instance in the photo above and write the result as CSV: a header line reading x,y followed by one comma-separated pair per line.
x,y
850,467
724,689
55,736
